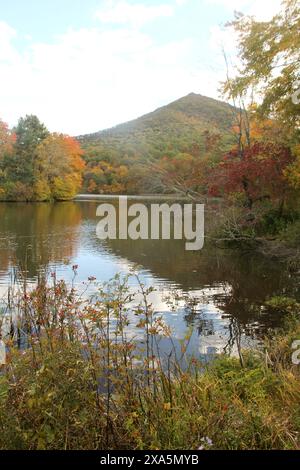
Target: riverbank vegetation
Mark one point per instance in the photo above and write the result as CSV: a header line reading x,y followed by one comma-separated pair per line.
x,y
77,378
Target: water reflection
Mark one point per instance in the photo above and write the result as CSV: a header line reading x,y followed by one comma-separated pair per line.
x,y
226,289
34,236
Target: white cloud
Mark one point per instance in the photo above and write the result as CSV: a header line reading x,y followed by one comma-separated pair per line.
x,y
6,35
6,32
135,15
90,79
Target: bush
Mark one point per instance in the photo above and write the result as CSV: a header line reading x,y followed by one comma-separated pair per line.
x,y
81,384
291,234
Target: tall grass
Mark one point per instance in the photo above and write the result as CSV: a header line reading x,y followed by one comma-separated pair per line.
x,y
80,381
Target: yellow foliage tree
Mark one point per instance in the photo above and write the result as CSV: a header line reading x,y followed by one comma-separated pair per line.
x,y
59,167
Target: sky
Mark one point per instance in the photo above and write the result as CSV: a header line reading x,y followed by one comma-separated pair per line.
x,y
86,65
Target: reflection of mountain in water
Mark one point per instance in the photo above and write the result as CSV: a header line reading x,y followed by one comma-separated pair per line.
x,y
237,282
38,235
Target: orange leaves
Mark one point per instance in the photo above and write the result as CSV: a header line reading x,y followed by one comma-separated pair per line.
x,y
59,163
62,150
73,151
104,177
42,166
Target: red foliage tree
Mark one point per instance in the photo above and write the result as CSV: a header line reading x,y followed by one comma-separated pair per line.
x,y
259,174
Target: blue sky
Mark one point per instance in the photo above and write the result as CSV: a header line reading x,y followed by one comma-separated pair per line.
x,y
85,65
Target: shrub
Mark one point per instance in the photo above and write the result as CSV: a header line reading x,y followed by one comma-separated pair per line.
x,y
82,384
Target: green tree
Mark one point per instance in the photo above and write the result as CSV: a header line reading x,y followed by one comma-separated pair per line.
x,y
30,132
41,166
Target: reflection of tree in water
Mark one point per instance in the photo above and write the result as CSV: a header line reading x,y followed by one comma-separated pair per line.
x,y
38,234
235,338
242,281
205,327
196,317
4,257
237,283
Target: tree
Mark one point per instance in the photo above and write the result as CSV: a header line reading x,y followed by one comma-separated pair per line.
x,y
292,172
270,56
263,167
263,164
19,176
40,166
7,139
30,132
104,177
58,167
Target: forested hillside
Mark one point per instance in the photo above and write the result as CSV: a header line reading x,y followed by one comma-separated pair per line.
x,y
192,128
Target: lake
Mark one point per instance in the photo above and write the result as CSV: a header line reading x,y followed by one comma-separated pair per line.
x,y
224,289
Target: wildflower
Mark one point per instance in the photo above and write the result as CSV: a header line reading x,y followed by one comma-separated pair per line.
x,y
207,442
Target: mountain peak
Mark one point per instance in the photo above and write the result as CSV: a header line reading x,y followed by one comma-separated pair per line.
x,y
192,110
194,124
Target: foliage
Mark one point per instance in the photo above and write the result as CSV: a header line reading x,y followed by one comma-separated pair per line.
x,y
284,304
262,169
270,57
133,157
7,140
39,166
292,172
291,233
260,172
59,166
102,177
82,383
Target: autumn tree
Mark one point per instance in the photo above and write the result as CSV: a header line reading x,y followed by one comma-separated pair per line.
x,y
7,139
263,166
105,177
58,168
39,166
264,162
270,57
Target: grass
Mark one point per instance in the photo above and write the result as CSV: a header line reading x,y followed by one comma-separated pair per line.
x,y
82,384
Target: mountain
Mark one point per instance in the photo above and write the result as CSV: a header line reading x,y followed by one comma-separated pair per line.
x,y
187,125
180,119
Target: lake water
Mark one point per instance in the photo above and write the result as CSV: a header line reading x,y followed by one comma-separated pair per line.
x,y
227,288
